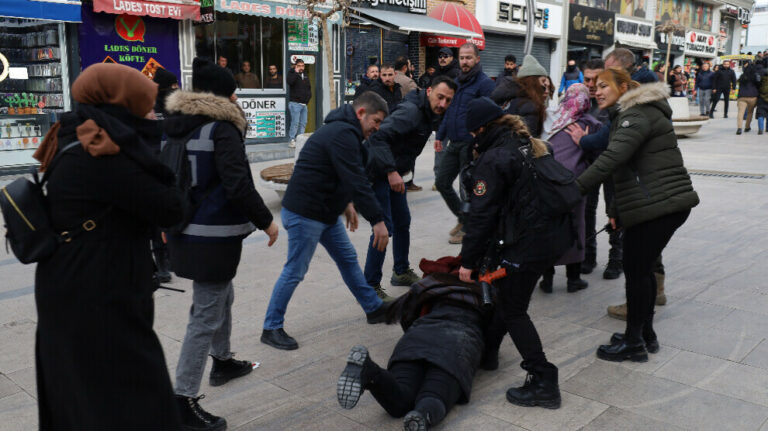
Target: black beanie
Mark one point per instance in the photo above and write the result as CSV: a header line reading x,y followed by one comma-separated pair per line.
x,y
482,111
164,79
208,77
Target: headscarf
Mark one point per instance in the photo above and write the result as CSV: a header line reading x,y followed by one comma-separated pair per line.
x,y
573,105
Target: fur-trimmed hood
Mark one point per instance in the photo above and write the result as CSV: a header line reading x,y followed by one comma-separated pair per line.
x,y
645,93
206,104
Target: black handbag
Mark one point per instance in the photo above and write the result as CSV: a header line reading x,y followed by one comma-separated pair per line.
x,y
29,231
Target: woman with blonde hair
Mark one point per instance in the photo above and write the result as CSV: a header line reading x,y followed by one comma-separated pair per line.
x,y
653,197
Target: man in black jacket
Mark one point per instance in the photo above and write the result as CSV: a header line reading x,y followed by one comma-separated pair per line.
x,y
722,84
396,145
371,75
386,87
299,91
448,65
328,180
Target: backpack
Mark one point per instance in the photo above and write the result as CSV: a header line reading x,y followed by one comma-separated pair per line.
x,y
173,153
540,208
26,213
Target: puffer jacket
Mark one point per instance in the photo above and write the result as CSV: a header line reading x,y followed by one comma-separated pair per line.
x,y
510,96
643,159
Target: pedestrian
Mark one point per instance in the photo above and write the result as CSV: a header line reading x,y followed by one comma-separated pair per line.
x,y
245,78
396,145
167,83
762,103
749,84
387,87
274,79
722,83
473,83
572,75
447,64
676,82
222,62
425,80
703,87
494,175
300,93
510,68
407,84
329,179
526,94
654,196
371,74
208,250
99,364
573,109
659,71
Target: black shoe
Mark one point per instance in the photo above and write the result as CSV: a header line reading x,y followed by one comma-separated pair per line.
x,y
738,131
224,371
759,132
725,116
546,283
747,130
350,386
650,346
415,421
622,351
163,277
587,266
540,388
613,270
576,285
378,315
194,418
278,339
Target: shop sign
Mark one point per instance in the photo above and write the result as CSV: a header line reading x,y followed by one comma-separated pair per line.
x,y
678,41
730,10
700,43
271,9
634,33
266,116
512,16
207,16
307,59
745,15
302,36
590,25
155,9
429,39
143,43
408,6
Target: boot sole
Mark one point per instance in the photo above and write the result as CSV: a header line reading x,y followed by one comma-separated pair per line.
x,y
220,380
349,388
414,421
547,404
635,357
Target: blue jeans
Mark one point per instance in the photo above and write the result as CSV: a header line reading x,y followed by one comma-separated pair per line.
x,y
298,119
303,236
397,218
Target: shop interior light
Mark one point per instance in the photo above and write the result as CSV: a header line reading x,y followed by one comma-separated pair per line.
x,y
18,73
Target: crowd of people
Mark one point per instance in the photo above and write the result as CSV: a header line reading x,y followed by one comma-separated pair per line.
x,y
99,363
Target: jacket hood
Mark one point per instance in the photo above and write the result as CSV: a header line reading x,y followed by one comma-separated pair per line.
x,y
208,105
644,94
345,114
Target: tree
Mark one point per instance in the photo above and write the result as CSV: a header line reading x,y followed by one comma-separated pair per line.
x,y
341,7
669,28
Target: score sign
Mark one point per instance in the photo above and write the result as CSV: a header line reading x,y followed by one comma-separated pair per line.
x,y
308,59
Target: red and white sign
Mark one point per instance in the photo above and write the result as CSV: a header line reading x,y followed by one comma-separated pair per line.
x,y
190,9
429,39
700,45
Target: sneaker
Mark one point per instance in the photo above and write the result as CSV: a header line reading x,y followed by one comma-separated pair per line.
x,y
194,418
456,229
378,315
405,279
279,339
457,239
349,387
738,131
224,371
618,311
382,294
613,270
292,144
414,188
415,421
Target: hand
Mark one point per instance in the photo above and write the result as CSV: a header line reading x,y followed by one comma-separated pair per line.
x,y
576,132
396,182
714,91
616,227
351,215
438,146
380,236
465,275
271,231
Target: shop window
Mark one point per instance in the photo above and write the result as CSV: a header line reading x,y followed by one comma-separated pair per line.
x,y
247,46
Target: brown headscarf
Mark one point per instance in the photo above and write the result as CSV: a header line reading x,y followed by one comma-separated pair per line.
x,y
102,84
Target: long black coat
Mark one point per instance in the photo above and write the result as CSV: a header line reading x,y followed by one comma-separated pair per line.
x,y
99,364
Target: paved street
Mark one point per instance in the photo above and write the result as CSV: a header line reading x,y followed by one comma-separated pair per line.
x,y
711,372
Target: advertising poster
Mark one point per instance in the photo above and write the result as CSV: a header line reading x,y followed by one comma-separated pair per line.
x,y
302,36
266,116
141,42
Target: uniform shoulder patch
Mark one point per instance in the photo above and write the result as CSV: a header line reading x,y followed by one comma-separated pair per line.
x,y
480,188
625,123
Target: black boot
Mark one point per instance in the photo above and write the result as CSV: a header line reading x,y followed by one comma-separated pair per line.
x,y
415,421
633,351
573,273
576,285
613,270
652,345
356,376
224,371
194,418
378,315
588,265
546,280
540,388
279,339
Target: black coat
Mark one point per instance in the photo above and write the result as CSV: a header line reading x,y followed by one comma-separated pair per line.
x,y
402,136
749,82
508,93
724,80
392,96
330,172
451,70
299,89
99,364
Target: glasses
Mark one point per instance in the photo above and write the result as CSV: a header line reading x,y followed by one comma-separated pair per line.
x,y
444,56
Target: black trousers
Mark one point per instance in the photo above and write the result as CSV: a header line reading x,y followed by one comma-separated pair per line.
x,y
590,220
643,244
572,271
716,98
415,385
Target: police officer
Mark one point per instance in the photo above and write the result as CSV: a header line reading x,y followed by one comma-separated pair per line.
x,y
498,141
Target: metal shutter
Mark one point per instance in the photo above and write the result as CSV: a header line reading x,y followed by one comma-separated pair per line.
x,y
498,46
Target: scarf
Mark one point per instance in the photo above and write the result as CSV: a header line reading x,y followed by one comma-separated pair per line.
x,y
466,77
572,107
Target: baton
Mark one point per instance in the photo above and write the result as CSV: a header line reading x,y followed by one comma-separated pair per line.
x,y
160,286
485,282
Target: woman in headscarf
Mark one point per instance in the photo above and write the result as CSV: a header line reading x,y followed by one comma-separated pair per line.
x,y
573,109
99,364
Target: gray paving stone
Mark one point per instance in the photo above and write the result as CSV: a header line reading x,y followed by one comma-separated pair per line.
x,y
26,380
7,386
617,419
18,412
758,357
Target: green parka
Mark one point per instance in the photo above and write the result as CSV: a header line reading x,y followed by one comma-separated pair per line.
x,y
643,158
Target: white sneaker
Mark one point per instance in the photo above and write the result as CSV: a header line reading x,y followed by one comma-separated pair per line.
x,y
292,144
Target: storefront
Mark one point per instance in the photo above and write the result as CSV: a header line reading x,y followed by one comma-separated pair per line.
x,y
504,26
700,47
590,32
728,26
635,35
36,70
676,50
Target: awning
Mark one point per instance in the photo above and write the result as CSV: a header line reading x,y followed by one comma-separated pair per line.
x,y
635,43
458,16
175,9
407,22
53,10
271,9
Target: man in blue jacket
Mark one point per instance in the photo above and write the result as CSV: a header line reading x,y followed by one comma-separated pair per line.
x,y
473,83
704,85
329,179
572,75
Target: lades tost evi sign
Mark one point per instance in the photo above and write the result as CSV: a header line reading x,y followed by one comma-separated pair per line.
x,y
590,25
408,6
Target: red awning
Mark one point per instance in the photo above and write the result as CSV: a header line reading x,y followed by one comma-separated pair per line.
x,y
175,9
459,16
